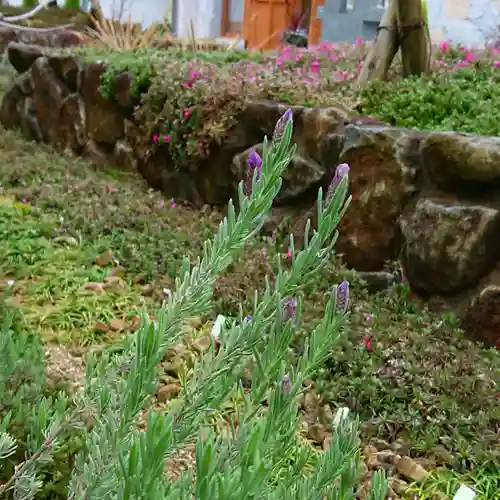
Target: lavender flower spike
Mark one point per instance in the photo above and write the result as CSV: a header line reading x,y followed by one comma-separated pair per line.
x,y
254,163
280,125
286,384
290,310
341,171
342,297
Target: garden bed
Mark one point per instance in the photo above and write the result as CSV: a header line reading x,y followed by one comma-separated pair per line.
x,y
87,247
187,125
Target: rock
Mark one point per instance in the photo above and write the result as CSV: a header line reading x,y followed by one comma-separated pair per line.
x,y
370,457
116,325
12,106
23,56
377,281
114,283
61,38
384,165
69,69
449,247
410,469
123,91
72,124
94,286
398,485
104,259
29,123
123,156
104,117
318,134
454,159
325,415
48,95
316,433
167,392
481,321
101,327
298,178
96,154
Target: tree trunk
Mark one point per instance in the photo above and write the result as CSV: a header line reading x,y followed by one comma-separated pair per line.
x,y
414,37
384,48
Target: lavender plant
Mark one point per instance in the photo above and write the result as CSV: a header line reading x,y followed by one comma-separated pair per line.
x,y
261,457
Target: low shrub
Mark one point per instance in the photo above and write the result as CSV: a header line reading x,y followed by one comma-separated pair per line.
x,y
32,415
465,100
261,455
211,87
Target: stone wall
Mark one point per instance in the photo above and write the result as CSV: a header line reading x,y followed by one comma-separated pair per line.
x,y
430,200
60,38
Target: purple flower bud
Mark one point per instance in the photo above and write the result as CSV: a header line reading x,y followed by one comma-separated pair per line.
x,y
254,163
342,296
341,171
286,384
290,310
280,125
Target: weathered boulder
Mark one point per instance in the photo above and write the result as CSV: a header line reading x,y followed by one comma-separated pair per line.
x,y
318,134
48,94
459,160
300,176
60,38
384,166
23,56
105,118
449,247
482,320
72,123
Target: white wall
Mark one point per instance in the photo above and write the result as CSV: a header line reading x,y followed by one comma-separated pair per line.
x,y
146,12
470,22
205,15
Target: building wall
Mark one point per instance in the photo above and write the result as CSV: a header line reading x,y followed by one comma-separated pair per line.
x,y
206,16
470,22
146,12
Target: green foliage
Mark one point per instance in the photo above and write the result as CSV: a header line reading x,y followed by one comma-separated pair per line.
x,y
72,4
465,100
191,100
29,3
263,457
199,107
28,406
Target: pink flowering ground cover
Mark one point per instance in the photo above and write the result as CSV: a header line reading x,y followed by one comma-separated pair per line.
x,y
193,100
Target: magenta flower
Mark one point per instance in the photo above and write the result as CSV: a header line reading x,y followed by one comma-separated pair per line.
x,y
166,138
187,113
315,66
155,138
341,171
254,163
279,129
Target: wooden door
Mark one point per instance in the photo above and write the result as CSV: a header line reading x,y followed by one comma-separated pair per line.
x,y
265,21
315,25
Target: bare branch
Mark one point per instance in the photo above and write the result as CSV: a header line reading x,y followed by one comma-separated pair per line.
x,y
26,15
17,27
7,21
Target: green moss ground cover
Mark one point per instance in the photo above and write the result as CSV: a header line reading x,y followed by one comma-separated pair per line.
x,y
82,250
